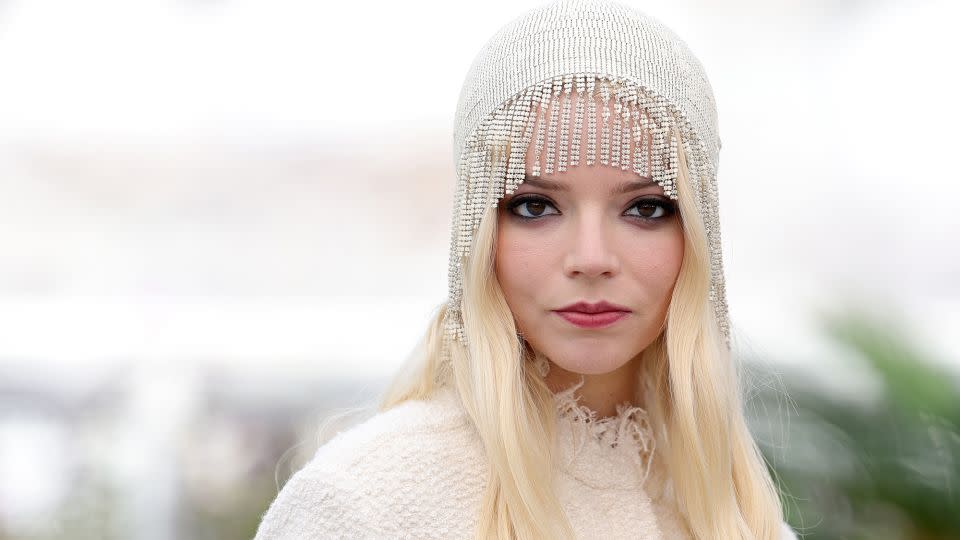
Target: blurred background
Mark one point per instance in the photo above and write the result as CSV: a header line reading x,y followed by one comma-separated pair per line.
x,y
207,206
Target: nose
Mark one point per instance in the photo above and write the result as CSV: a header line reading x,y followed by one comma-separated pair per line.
x,y
591,251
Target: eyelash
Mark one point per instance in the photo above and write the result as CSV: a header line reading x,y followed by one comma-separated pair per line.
x,y
668,207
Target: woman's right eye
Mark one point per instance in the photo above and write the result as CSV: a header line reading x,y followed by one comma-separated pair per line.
x,y
535,207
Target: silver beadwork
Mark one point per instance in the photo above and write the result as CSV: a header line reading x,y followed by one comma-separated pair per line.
x,y
541,129
577,123
591,122
564,123
552,127
605,118
624,70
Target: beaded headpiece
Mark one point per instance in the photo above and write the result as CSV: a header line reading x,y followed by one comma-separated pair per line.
x,y
640,76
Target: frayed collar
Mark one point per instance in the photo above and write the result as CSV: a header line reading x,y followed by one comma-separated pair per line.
x,y
596,450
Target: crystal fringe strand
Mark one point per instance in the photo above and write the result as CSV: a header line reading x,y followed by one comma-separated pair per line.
x,y
591,122
541,129
552,128
617,134
564,125
577,122
605,129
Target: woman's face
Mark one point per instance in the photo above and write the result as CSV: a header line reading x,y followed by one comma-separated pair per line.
x,y
590,234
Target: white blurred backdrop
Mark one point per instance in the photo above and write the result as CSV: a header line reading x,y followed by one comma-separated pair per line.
x,y
218,206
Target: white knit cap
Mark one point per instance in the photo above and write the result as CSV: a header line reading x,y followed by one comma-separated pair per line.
x,y
643,77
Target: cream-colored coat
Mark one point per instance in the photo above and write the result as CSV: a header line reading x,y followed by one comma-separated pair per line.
x,y
418,471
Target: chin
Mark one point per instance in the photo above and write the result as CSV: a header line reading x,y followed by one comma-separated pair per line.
x,y
590,359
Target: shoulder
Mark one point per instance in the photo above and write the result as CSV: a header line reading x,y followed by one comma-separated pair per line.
x,y
382,476
786,533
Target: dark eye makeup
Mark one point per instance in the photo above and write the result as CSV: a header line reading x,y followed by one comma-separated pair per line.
x,y
647,209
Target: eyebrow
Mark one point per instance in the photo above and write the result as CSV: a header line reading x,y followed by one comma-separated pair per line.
x,y
622,189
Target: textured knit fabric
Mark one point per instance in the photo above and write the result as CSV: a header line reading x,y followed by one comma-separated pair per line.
x,y
418,471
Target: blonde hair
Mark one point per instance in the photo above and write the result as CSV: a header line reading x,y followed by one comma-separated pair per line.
x,y
720,478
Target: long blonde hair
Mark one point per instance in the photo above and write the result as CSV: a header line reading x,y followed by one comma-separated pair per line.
x,y
694,397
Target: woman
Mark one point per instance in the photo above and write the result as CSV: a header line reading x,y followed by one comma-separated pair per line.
x,y
578,381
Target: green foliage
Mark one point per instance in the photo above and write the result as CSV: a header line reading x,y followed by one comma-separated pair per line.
x,y
877,467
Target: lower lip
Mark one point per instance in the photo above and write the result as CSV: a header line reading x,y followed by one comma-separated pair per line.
x,y
593,320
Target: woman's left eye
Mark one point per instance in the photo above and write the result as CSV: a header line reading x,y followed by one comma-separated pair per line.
x,y
652,209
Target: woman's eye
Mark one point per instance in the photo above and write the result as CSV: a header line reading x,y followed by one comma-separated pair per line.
x,y
647,209
534,208
651,209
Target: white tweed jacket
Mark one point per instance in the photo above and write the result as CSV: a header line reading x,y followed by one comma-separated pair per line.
x,y
418,471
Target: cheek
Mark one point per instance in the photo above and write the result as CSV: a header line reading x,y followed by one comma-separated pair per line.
x,y
526,261
520,261
655,262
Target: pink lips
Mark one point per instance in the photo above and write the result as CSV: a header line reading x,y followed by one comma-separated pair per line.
x,y
598,315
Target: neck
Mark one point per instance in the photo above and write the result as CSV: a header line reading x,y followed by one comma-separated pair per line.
x,y
601,392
